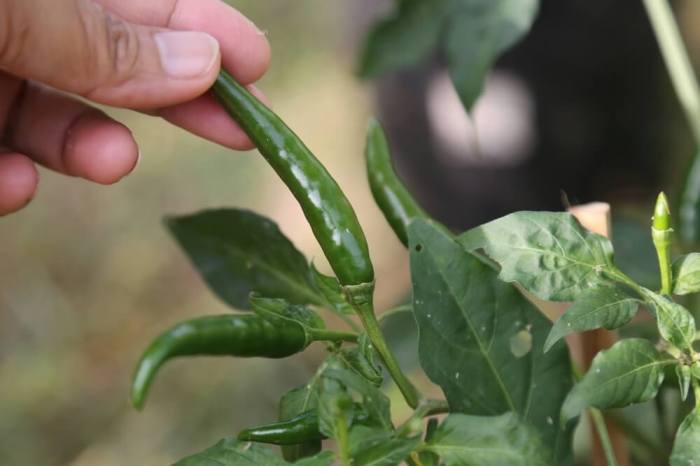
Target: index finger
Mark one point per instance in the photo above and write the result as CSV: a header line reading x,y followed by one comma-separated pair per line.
x,y
245,51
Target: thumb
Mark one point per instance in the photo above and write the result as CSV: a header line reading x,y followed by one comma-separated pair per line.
x,y
79,47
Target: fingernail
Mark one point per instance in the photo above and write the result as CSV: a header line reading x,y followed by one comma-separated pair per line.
x,y
187,54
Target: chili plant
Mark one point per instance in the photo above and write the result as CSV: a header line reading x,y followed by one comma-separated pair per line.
x,y
504,369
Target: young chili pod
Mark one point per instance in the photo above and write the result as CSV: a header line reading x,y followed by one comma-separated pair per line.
x,y
294,431
332,218
244,335
390,194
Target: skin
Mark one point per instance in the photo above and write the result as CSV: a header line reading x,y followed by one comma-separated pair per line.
x,y
108,52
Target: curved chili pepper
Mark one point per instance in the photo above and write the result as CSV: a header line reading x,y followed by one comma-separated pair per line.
x,y
294,431
392,197
332,218
244,335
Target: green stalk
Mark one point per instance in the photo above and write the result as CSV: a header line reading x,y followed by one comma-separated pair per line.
x,y
602,430
342,441
369,322
677,61
330,335
661,233
360,298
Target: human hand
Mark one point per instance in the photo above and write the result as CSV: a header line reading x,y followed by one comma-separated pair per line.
x,y
135,54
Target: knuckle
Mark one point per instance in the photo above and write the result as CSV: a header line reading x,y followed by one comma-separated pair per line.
x,y
111,51
14,33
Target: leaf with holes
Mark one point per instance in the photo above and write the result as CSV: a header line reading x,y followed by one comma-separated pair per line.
x,y
471,338
549,253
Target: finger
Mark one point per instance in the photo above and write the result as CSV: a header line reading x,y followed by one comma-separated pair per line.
x,y
70,137
18,181
206,118
244,48
83,48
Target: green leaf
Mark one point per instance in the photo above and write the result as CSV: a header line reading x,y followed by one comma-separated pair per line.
x,y
686,274
463,440
631,371
238,251
549,253
604,306
362,360
373,402
330,289
686,448
335,408
689,209
325,458
281,310
685,376
293,403
479,32
676,324
404,39
468,320
231,452
377,447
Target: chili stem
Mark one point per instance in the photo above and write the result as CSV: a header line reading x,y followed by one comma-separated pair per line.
x,y
677,61
601,428
330,335
342,440
369,321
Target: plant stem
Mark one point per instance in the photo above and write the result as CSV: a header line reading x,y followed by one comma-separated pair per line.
x,y
677,61
599,423
369,321
330,335
426,407
341,428
360,298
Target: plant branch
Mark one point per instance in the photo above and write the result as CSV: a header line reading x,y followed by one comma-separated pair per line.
x,y
677,61
601,428
369,322
330,335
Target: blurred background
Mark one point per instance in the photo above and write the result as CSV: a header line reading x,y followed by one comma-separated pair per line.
x,y
88,274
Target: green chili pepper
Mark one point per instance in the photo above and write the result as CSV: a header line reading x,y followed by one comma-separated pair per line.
x,y
328,211
245,335
392,197
294,431
662,233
